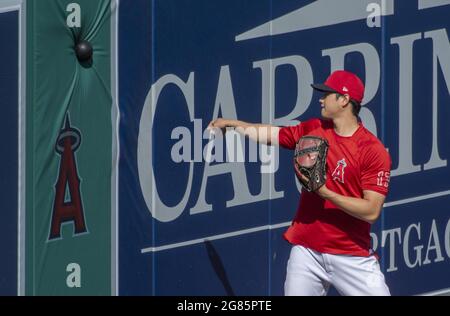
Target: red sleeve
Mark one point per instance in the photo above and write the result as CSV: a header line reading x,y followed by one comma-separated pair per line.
x,y
376,169
289,135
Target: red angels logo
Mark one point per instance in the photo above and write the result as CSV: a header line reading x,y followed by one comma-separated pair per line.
x,y
338,173
67,206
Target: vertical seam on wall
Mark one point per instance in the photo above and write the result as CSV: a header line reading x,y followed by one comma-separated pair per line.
x,y
269,231
152,71
383,110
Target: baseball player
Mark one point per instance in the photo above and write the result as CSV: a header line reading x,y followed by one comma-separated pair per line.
x,y
330,234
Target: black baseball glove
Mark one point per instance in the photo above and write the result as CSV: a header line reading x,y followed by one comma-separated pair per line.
x,y
310,160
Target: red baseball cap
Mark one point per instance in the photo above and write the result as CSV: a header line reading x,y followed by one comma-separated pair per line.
x,y
343,82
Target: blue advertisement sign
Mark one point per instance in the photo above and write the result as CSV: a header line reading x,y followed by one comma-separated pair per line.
x,y
193,227
9,162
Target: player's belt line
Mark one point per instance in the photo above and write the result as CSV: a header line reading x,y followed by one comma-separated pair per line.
x,y
280,225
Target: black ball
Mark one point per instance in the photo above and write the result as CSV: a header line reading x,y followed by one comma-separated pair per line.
x,y
84,51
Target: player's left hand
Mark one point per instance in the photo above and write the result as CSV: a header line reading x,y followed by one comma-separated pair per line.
x,y
323,191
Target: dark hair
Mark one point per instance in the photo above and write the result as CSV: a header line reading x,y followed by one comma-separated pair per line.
x,y
356,106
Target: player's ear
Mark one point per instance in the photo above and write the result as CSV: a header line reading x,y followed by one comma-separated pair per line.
x,y
345,99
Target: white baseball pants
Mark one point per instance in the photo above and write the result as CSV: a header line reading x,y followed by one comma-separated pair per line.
x,y
310,273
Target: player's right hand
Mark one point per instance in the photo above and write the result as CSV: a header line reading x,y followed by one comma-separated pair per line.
x,y
220,123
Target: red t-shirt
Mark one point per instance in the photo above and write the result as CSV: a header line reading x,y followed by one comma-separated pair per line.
x,y
356,163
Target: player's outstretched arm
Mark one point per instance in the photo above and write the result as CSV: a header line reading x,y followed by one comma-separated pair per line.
x,y
261,133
